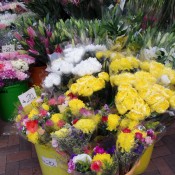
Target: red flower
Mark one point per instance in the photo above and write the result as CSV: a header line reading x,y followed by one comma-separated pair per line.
x,y
126,130
61,99
96,166
61,123
1,67
72,96
32,126
104,119
58,49
74,121
139,135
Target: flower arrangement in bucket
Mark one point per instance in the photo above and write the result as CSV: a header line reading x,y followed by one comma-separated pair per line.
x,y
105,121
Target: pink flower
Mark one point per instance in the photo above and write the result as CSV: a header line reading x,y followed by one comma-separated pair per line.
x,y
61,123
71,166
43,112
61,99
49,34
148,140
17,36
31,32
85,112
52,102
21,75
99,150
139,135
30,42
3,26
49,123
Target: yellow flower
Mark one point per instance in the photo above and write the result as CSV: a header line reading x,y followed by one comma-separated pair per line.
x,y
135,115
113,122
75,106
170,73
156,69
97,118
56,117
172,101
100,54
125,141
124,123
33,137
62,133
35,103
18,118
85,91
74,88
45,106
34,112
145,66
104,76
98,84
86,125
161,106
105,158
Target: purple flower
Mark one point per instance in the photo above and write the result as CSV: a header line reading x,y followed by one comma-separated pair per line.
x,y
49,123
71,166
139,149
99,150
9,74
150,133
111,150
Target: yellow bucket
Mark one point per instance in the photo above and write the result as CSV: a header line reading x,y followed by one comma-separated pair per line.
x,y
144,161
51,162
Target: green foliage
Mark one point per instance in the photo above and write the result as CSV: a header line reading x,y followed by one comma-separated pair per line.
x,y
82,166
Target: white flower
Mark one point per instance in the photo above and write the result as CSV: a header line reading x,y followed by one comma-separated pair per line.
x,y
52,79
92,48
54,143
60,66
20,65
82,157
87,67
54,56
74,55
165,79
149,54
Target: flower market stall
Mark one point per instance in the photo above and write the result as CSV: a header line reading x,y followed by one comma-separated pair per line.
x,y
102,84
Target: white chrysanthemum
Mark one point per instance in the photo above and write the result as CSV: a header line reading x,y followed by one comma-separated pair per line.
x,y
74,55
87,67
92,48
165,80
83,158
60,66
52,79
20,65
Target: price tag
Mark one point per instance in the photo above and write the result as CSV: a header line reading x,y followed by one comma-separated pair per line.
x,y
122,4
49,162
8,48
27,97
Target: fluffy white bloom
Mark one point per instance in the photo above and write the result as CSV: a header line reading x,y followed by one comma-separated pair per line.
x,y
83,158
92,48
165,79
149,54
60,66
87,67
74,55
20,65
52,79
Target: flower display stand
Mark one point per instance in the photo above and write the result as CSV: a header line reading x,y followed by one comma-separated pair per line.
x,y
9,99
37,75
51,162
144,161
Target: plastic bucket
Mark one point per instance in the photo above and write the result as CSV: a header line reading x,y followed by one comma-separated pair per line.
x,y
51,162
37,75
9,99
144,161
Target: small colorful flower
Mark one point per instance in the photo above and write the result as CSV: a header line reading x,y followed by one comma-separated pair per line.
x,y
126,130
32,126
96,166
104,119
99,150
61,123
148,140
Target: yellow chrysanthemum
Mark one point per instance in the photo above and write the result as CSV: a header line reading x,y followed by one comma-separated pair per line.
x,y
62,133
33,137
113,122
86,125
161,106
106,159
45,106
98,84
172,101
75,106
34,112
145,66
170,73
56,117
125,141
156,69
104,76
99,54
97,118
18,118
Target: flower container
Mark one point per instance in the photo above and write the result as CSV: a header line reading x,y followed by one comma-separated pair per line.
x,y
37,75
9,98
144,161
50,161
